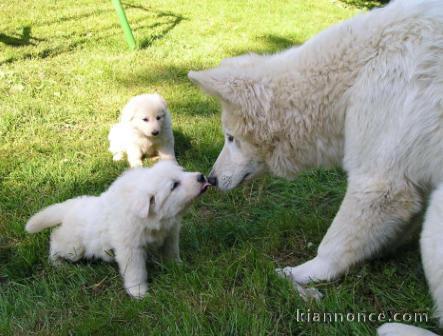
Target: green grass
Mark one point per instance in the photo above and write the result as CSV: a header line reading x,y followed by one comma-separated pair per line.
x,y
65,72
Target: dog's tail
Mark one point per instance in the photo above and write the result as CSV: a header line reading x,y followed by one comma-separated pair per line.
x,y
48,217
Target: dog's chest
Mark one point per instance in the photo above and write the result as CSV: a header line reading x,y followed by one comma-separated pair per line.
x,y
156,235
148,146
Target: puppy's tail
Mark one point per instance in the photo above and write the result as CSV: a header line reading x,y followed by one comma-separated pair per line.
x,y
48,217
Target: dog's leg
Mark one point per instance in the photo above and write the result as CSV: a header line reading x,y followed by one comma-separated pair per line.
x,y
131,263
431,243
171,246
135,157
166,152
64,245
372,213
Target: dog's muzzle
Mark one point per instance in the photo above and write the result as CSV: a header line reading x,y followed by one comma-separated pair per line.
x,y
212,180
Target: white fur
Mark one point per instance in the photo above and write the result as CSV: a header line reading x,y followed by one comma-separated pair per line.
x,y
139,209
366,94
398,329
133,135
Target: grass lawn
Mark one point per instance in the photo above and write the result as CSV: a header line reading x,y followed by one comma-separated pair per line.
x,y
65,72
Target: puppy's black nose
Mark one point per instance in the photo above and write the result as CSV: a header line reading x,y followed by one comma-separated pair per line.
x,y
155,133
201,178
212,180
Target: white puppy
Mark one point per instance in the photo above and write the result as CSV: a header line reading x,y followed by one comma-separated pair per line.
x,y
142,207
145,129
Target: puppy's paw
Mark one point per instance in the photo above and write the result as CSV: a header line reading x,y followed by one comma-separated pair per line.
x,y
316,269
55,260
306,293
138,291
117,157
399,329
164,156
135,163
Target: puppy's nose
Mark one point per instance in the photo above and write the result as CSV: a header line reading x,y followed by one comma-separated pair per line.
x,y
154,133
212,180
201,178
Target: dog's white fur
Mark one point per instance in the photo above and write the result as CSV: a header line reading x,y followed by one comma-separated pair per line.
x,y
145,129
142,207
366,94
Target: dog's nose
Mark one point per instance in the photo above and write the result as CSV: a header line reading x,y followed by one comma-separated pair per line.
x,y
201,178
155,133
212,180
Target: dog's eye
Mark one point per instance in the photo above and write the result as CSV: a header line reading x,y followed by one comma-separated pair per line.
x,y
230,138
175,185
158,118
145,119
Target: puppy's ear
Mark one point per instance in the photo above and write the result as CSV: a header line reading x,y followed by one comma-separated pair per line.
x,y
161,100
160,198
144,206
252,95
128,112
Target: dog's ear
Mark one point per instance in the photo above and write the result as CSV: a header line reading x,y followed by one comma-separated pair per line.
x,y
250,94
160,198
144,206
161,100
128,112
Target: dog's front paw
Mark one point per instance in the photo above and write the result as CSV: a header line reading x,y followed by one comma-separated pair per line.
x,y
399,329
117,157
306,293
55,260
136,163
138,291
314,270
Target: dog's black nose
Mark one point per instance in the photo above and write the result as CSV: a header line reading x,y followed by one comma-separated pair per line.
x,y
212,180
201,178
155,133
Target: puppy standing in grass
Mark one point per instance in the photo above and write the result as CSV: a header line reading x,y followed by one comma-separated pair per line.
x,y
145,129
142,207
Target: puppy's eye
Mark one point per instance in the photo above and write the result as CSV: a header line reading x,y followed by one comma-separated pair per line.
x,y
158,118
230,138
145,119
175,185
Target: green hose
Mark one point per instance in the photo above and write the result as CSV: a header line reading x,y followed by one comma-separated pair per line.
x,y
125,24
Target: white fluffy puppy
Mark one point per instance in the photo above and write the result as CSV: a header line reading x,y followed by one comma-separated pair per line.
x,y
145,129
142,207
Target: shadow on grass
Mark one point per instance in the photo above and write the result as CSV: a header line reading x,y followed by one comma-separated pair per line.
x,y
164,22
365,4
172,20
148,41
273,43
23,40
182,144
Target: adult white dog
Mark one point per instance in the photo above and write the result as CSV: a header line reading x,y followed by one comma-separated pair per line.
x,y
145,129
142,207
366,94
